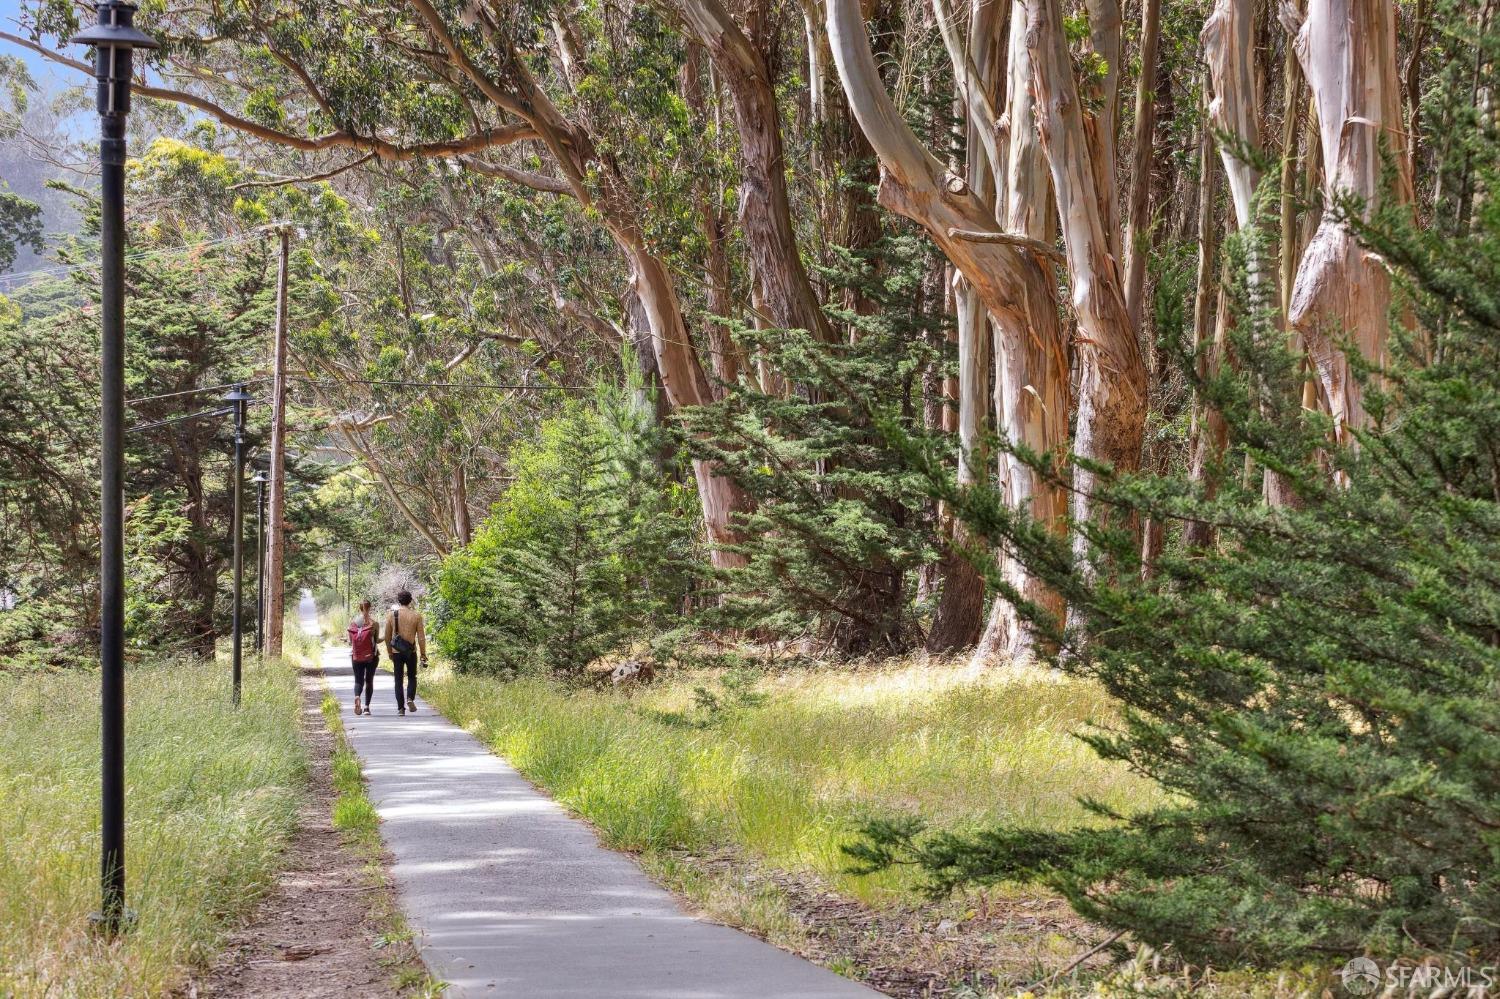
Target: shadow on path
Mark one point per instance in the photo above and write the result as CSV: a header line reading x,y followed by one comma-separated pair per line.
x,y
513,897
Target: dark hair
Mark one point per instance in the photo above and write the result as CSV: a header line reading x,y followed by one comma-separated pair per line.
x,y
403,598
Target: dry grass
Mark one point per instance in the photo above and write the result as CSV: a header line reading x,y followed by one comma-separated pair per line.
x,y
788,779
212,795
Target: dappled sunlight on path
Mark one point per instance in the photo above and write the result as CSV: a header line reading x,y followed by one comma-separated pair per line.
x,y
513,897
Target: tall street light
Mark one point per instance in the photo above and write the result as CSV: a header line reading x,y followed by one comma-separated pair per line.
x,y
260,479
114,38
239,399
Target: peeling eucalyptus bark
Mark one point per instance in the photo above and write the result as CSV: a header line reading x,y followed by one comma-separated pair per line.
x,y
1008,271
1342,292
1112,388
1031,358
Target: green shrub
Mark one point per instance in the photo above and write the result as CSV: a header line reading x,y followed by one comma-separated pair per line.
x,y
590,548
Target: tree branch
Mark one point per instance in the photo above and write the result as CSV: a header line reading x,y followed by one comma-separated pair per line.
x,y
526,178
381,148
308,179
1010,239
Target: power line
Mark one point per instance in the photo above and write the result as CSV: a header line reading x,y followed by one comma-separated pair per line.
x,y
201,414
454,385
195,391
40,272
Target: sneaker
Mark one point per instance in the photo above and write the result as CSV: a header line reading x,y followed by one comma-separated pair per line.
x,y
357,709
411,706
401,713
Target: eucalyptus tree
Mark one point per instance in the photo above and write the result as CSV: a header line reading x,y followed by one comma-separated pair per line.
x,y
319,81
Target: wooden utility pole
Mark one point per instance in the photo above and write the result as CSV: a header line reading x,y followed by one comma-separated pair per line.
x,y
274,610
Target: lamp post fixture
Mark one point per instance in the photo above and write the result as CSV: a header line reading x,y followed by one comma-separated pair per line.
x,y
113,38
260,479
239,399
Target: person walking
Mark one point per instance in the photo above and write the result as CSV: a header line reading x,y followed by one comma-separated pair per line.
x,y
405,640
364,650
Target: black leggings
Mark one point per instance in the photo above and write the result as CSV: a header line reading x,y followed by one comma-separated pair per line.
x,y
364,680
408,660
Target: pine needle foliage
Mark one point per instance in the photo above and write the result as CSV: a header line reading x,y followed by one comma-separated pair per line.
x,y
1316,691
841,520
588,550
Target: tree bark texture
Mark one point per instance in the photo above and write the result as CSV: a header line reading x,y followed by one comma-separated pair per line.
x,y
1112,374
1342,293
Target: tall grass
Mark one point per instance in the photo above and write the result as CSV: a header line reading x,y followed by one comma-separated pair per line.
x,y
788,779
212,796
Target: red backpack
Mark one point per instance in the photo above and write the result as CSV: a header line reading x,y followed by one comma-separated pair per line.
x,y
362,641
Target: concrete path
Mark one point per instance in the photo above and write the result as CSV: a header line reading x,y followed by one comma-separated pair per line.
x,y
512,897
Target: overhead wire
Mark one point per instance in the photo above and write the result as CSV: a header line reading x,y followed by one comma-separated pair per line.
x,y
454,385
201,414
195,391
39,272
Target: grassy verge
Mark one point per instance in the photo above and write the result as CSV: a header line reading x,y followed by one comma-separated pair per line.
x,y
355,817
785,773
212,796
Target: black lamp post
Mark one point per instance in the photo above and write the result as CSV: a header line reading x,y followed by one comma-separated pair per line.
x,y
239,399
114,38
260,478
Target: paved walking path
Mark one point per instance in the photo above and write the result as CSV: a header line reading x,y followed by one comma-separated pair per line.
x,y
512,897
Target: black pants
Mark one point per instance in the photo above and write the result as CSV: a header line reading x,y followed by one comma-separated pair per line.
x,y
405,661
364,680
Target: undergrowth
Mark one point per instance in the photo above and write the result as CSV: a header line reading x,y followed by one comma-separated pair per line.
x,y
211,800
787,771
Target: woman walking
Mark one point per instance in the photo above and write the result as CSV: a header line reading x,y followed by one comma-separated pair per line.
x,y
364,650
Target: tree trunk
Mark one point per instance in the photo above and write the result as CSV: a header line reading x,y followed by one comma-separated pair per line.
x,y
1112,375
1347,49
1208,435
960,608
684,384
275,608
1137,239
1228,44
725,355
573,150
1008,270
765,210
1031,361
463,526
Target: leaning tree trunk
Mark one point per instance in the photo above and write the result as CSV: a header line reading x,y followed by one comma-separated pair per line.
x,y
1342,293
572,147
685,384
1007,270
